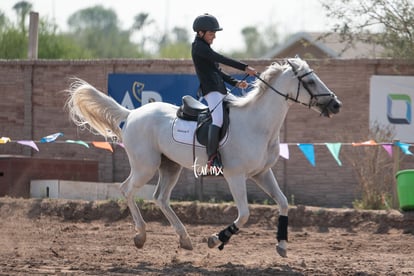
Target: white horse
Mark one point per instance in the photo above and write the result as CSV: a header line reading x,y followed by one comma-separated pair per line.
x,y
252,147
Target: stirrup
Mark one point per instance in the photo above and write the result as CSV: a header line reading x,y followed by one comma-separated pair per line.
x,y
214,165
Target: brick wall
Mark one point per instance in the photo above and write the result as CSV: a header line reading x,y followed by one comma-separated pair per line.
x,y
16,172
32,106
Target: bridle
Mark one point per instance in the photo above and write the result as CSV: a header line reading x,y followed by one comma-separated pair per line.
x,y
313,101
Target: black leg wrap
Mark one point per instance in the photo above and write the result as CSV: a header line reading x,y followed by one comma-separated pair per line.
x,y
225,235
282,228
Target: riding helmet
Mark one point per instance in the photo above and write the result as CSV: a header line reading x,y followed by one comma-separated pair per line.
x,y
206,22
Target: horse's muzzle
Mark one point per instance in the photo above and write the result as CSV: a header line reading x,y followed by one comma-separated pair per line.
x,y
332,107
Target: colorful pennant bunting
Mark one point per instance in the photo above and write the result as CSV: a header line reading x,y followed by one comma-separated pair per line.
x,y
404,148
28,143
284,150
51,138
388,149
334,149
79,142
103,145
307,149
366,143
309,152
4,140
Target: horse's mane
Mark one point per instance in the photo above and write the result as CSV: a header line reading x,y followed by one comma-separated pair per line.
x,y
268,76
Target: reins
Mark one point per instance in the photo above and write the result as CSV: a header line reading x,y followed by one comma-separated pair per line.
x,y
221,101
207,117
286,96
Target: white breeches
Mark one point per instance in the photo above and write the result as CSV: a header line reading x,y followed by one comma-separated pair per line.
x,y
215,103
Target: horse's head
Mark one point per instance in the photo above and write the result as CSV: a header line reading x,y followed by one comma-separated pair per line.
x,y
310,90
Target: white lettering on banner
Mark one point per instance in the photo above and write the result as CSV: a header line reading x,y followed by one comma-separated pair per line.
x,y
147,97
391,104
150,96
127,101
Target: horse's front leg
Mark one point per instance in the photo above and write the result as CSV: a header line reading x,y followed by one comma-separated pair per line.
x,y
267,181
237,185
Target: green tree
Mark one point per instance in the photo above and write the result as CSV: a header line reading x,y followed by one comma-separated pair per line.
x,y
96,29
389,23
257,43
181,35
54,45
3,20
141,22
96,17
22,9
177,46
13,44
252,40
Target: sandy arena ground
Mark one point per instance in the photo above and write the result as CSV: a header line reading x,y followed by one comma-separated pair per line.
x,y
61,237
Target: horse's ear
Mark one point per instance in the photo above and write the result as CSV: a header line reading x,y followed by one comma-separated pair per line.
x,y
292,65
297,56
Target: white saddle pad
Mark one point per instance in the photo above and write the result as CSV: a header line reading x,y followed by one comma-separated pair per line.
x,y
183,132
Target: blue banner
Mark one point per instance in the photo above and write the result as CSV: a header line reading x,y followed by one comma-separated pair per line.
x,y
134,90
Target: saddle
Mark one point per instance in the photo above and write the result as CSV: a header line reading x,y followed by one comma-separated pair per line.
x,y
193,110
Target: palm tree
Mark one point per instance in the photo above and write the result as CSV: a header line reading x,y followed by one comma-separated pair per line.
x,y
22,9
141,20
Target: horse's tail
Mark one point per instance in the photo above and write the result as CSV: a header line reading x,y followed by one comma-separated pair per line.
x,y
89,106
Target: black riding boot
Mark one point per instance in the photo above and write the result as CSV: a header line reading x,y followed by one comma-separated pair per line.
x,y
212,146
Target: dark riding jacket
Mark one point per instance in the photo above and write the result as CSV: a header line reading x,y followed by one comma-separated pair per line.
x,y
206,62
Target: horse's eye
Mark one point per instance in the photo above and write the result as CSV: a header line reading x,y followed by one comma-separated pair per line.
x,y
310,82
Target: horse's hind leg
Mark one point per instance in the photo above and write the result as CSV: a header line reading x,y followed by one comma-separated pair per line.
x,y
169,173
135,180
267,181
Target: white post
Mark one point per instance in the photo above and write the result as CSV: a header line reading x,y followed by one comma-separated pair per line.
x,y
33,35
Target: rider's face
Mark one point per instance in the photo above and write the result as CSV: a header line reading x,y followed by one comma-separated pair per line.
x,y
209,36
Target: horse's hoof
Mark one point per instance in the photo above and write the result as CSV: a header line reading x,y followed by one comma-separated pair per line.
x,y
281,251
213,241
140,239
185,243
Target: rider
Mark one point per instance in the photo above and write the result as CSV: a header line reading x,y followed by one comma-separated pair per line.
x,y
212,78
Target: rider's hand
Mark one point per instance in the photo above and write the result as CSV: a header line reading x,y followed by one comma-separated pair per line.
x,y
242,84
250,70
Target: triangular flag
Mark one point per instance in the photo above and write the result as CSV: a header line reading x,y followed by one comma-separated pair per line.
x,y
284,150
404,147
28,143
79,142
51,138
366,143
103,145
4,140
309,152
388,149
335,148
